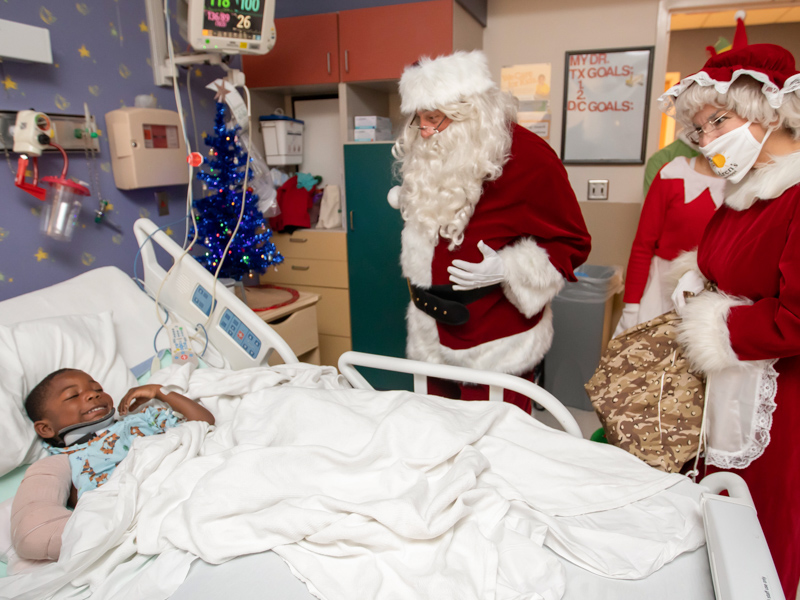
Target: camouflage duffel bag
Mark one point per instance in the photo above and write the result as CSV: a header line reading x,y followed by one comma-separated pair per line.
x,y
648,400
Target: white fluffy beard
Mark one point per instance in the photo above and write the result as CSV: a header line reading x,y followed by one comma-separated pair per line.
x,y
443,177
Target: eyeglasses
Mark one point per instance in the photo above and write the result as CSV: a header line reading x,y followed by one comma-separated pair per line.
x,y
712,124
426,127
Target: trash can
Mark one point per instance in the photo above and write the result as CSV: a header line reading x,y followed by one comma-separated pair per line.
x,y
581,324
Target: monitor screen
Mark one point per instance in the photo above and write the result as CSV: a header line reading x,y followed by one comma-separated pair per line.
x,y
238,19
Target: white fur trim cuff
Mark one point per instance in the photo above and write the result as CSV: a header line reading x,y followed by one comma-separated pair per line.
x,y
531,279
703,331
682,264
433,83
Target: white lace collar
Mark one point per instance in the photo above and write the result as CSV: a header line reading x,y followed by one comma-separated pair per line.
x,y
765,183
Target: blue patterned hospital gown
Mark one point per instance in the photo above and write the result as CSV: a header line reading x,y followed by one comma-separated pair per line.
x,y
93,462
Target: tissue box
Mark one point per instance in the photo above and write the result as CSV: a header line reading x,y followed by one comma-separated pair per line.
x,y
372,122
372,135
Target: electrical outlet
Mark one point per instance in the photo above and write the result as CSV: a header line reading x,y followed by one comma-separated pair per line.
x,y
598,189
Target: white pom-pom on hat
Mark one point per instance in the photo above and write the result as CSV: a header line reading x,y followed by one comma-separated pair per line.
x,y
393,197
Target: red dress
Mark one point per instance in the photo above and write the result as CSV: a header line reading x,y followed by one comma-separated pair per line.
x,y
677,208
753,252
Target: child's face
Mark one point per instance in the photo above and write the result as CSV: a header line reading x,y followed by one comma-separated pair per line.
x,y
73,397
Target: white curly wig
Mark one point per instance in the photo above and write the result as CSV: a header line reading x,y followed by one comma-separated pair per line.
x,y
443,175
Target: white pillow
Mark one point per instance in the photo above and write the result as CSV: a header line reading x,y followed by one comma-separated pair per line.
x,y
6,547
31,350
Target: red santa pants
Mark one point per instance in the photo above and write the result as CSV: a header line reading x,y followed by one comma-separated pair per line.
x,y
463,391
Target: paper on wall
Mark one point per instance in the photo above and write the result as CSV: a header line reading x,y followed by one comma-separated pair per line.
x,y
530,84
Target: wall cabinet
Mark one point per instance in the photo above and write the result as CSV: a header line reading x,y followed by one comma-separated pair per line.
x,y
306,52
365,44
378,292
378,43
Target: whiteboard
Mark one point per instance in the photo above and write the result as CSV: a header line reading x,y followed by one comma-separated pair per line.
x,y
606,105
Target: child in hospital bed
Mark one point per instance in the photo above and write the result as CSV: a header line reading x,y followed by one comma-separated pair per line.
x,y
75,418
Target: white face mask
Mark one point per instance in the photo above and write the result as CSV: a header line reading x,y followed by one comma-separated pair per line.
x,y
733,154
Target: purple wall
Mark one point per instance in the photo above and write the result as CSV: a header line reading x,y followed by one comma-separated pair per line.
x,y
101,56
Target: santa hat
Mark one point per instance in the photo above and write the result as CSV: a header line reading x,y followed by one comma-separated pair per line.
x,y
769,64
430,84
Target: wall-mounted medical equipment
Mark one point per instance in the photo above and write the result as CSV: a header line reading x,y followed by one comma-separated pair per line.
x,y
69,131
147,147
212,28
283,139
231,26
25,43
33,132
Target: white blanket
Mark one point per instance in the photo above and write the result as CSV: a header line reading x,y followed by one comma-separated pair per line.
x,y
366,495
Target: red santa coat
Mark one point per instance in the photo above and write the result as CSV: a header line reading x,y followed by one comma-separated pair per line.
x,y
677,208
751,250
531,217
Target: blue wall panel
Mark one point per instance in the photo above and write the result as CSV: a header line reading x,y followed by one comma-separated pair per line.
x,y
102,56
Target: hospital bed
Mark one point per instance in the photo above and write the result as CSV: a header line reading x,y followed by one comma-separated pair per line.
x,y
236,338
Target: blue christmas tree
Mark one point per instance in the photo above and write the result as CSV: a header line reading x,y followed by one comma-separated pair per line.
x,y
216,214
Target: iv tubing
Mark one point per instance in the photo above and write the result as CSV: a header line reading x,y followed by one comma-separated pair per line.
x,y
66,159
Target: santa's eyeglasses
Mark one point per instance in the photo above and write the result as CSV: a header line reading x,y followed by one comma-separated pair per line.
x,y
415,125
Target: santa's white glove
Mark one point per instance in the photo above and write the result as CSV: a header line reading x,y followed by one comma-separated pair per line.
x,y
393,197
690,282
629,318
469,276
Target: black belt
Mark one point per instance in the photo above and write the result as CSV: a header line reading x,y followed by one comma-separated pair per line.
x,y
446,305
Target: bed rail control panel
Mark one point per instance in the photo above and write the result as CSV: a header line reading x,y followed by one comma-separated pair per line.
x,y
202,299
240,333
741,565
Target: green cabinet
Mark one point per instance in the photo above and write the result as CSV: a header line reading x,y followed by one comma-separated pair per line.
x,y
378,291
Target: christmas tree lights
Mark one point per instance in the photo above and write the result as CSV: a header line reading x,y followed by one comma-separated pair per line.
x,y
216,214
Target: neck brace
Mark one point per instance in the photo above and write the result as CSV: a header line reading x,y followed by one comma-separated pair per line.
x,y
83,432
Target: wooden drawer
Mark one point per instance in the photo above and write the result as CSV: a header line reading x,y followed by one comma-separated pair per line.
x,y
331,347
299,329
309,271
308,243
333,309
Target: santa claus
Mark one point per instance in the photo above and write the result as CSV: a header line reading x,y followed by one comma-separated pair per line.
x,y
492,227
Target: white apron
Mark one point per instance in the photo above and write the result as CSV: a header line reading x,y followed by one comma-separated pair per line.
x,y
738,413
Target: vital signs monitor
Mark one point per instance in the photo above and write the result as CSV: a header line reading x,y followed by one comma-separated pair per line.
x,y
231,26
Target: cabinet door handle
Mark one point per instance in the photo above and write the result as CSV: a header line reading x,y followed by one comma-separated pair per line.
x,y
298,240
346,62
329,63
352,228
299,268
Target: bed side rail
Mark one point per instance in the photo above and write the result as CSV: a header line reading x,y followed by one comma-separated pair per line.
x,y
497,382
233,329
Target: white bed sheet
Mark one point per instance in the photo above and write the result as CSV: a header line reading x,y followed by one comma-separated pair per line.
x,y
368,495
265,576
109,288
